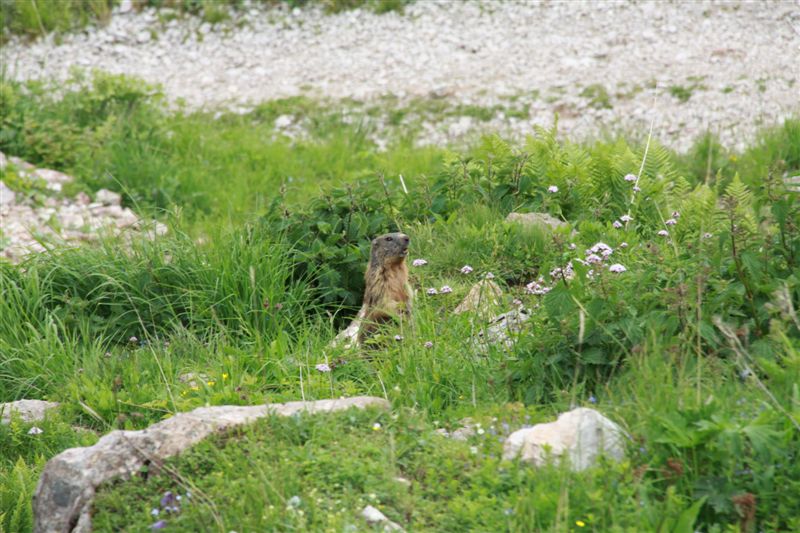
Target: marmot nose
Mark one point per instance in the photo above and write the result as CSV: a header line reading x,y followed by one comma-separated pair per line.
x,y
405,239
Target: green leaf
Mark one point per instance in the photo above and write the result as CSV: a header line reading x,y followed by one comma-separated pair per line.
x,y
687,518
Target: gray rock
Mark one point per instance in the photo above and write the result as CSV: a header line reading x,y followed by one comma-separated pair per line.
x,y
502,330
7,196
106,197
582,435
374,517
536,219
54,179
482,298
28,410
63,498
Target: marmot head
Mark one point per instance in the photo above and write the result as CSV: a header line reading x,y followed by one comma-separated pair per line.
x,y
389,248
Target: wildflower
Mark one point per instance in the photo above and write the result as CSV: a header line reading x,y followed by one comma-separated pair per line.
x,y
592,399
133,340
670,222
517,302
428,344
508,512
466,269
473,450
636,188
617,224
663,233
398,338
432,291
161,524
376,426
626,218
294,501
600,248
446,289
167,499
35,430
211,383
278,306
224,376
630,177
536,287
567,272
580,523
323,367
418,262
623,245
552,189
617,268
481,431
154,512
572,246
594,259
675,214
707,235
489,275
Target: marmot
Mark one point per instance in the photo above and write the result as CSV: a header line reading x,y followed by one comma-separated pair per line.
x,y
388,293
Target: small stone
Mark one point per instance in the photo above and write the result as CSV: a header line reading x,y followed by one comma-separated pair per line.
x,y
28,410
536,219
374,517
106,197
7,196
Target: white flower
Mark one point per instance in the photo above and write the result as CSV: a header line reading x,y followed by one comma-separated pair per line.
x,y
133,339
626,218
617,268
473,450
636,188
154,512
517,302
600,248
670,222
446,289
593,259
623,245
432,291
376,426
418,262
663,233
552,189
675,214
35,431
429,344
489,275
481,431
398,337
572,246
630,177
617,224
535,287
707,235
567,272
466,269
294,501
323,367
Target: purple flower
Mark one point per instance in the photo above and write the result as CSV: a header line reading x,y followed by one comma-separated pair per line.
x,y
592,399
161,524
675,214
663,233
517,302
552,189
626,218
429,344
154,512
617,268
630,177
617,224
418,262
167,499
593,259
398,338
446,289
670,222
466,269
432,291
623,245
636,188
536,287
35,430
600,248
323,367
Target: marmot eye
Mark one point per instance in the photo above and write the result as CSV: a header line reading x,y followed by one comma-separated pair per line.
x,y
388,238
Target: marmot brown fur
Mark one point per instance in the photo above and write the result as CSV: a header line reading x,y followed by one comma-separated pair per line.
x,y
388,293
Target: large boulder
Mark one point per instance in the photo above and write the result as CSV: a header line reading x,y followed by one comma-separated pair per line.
x,y
581,435
62,501
28,410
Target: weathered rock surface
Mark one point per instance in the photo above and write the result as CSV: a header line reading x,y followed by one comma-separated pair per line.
x,y
374,517
536,219
348,337
502,330
62,501
582,435
27,222
482,298
28,410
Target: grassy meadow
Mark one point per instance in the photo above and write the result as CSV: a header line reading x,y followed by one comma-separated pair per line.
x,y
686,333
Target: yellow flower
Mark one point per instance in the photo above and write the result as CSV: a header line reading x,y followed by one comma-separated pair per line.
x,y
224,376
211,383
195,388
580,523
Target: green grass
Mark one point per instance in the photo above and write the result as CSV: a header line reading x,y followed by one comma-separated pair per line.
x,y
249,286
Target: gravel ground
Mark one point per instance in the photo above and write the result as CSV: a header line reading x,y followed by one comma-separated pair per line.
x,y
728,67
